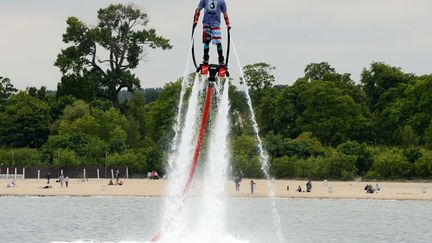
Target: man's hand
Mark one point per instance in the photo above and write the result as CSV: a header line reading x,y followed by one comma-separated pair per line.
x,y
229,27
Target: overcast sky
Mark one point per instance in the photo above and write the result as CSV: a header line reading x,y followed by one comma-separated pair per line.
x,y
288,34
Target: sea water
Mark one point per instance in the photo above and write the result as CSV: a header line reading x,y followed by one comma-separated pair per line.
x,y
136,219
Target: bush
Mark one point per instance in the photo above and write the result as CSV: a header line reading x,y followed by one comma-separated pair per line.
x,y
423,166
65,158
21,157
390,164
135,161
364,156
283,167
335,166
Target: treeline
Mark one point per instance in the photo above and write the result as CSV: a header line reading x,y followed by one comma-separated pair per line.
x,y
326,126
323,126
61,131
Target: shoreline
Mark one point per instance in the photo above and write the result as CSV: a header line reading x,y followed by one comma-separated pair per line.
x,y
412,191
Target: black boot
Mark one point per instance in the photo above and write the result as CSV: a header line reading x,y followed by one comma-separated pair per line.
x,y
206,59
221,61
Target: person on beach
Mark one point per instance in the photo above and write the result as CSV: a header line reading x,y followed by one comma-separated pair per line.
x,y
211,26
12,184
117,177
48,176
237,183
61,179
110,183
252,186
299,189
369,189
377,188
309,186
66,180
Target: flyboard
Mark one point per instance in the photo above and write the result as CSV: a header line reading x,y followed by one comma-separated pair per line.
x,y
212,73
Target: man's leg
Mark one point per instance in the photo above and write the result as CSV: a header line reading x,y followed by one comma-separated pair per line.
x,y
206,52
206,41
220,53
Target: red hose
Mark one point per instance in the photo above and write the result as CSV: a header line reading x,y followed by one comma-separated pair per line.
x,y
204,118
201,134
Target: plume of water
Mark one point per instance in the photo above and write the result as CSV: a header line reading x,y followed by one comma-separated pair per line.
x,y
177,124
208,219
264,158
217,161
173,217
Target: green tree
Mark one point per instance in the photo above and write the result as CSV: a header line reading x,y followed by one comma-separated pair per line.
x,y
118,140
37,93
364,156
390,164
245,156
26,122
121,33
65,158
329,113
6,89
423,166
324,71
259,75
20,157
379,79
406,136
428,136
413,107
77,110
134,160
283,167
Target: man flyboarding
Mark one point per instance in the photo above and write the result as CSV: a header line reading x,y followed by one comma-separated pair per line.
x,y
211,26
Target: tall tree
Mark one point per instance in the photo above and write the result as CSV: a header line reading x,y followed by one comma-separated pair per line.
x,y
380,78
259,75
324,71
6,89
121,34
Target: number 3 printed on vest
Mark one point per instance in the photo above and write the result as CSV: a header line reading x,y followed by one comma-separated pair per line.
x,y
212,5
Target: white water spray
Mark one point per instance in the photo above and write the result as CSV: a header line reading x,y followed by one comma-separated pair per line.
x,y
177,124
264,158
174,218
217,161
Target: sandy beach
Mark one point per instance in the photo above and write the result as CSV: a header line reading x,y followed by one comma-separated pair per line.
x,y
145,187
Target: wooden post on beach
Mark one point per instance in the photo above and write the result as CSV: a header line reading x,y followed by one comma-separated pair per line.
x,y
38,174
84,174
15,175
61,172
7,171
97,172
112,174
23,172
127,172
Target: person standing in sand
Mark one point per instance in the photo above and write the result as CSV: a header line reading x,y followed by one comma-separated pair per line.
x,y
61,179
252,186
66,180
117,177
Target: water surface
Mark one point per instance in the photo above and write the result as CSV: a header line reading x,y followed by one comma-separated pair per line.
x,y
117,219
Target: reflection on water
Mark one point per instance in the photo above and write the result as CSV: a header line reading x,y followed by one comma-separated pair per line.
x,y
136,219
